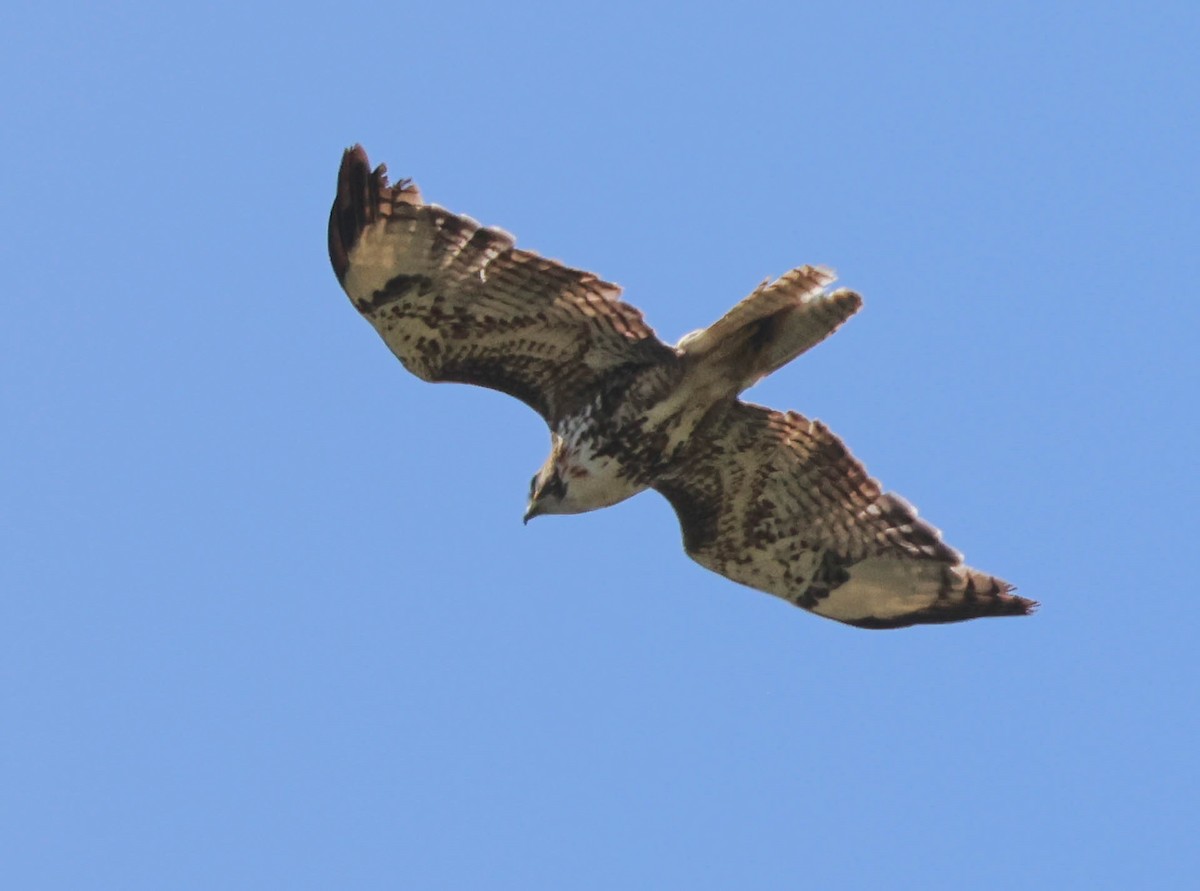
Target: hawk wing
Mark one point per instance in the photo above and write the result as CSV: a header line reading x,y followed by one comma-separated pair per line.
x,y
775,501
458,302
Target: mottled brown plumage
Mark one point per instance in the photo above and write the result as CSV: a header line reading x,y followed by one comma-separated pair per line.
x,y
766,498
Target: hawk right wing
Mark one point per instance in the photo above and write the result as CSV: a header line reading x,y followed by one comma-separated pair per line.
x,y
775,501
456,301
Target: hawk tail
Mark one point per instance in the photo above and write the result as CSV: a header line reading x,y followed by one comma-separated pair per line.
x,y
771,327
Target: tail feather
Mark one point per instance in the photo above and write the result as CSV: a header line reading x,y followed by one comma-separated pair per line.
x,y
771,327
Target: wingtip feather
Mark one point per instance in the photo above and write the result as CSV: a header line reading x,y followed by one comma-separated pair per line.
x,y
363,195
353,206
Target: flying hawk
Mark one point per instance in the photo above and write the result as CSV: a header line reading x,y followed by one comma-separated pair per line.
x,y
766,498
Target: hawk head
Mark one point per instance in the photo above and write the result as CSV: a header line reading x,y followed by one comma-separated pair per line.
x,y
574,480
547,492
548,488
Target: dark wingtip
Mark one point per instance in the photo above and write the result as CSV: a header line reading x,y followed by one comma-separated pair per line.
x,y
1023,606
354,206
997,603
1001,601
363,195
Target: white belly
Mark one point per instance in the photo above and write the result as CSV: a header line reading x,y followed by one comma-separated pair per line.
x,y
594,482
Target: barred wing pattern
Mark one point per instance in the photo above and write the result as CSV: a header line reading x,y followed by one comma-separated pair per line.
x,y
768,499
776,502
456,301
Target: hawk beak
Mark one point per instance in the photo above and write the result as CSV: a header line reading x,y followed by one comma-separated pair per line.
x,y
530,512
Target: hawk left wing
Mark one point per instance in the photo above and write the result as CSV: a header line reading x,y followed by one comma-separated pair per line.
x,y
456,301
776,502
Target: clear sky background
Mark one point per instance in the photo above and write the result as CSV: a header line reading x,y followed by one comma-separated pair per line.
x,y
269,617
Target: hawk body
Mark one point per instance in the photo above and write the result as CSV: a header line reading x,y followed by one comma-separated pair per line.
x,y
768,499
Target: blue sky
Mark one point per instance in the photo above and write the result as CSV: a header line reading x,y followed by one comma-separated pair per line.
x,y
269,614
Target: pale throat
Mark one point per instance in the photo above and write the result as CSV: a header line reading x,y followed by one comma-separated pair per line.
x,y
592,481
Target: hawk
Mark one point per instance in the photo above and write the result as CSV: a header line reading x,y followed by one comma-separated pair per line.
x,y
766,498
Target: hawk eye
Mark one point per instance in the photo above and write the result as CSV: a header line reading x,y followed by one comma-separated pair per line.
x,y
533,485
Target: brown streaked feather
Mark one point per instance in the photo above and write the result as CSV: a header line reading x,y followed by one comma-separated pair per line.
x,y
775,501
766,498
456,301
361,193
